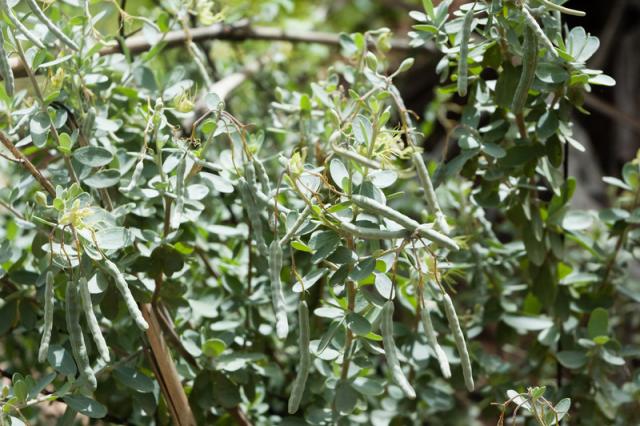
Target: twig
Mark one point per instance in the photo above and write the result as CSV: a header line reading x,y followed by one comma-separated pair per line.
x,y
28,165
612,112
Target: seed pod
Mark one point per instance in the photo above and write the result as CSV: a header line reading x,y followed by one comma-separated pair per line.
x,y
391,352
373,234
75,335
176,217
539,32
92,321
372,206
302,217
443,361
562,9
429,192
263,176
277,296
253,213
463,64
19,25
529,63
454,326
5,69
52,27
360,159
250,176
305,359
49,301
123,288
89,121
135,177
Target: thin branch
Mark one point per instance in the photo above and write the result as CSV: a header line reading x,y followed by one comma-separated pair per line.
x,y
28,165
612,112
240,31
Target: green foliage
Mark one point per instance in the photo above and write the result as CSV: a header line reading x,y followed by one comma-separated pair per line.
x,y
311,267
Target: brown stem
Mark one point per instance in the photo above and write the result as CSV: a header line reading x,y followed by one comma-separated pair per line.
x,y
28,165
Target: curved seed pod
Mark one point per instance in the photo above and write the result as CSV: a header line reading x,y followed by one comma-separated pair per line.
x,y
89,121
443,361
263,176
529,63
253,213
454,326
373,234
123,288
52,27
135,177
49,301
429,192
533,24
372,206
562,9
92,321
277,296
352,155
250,176
176,217
5,69
391,352
296,225
305,359
463,64
19,25
76,339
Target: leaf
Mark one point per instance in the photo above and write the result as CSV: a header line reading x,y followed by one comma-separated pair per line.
x,y
134,379
93,156
213,347
551,73
309,280
103,179
61,359
577,220
358,324
572,359
323,243
527,323
598,323
87,406
345,397
339,173
114,238
39,128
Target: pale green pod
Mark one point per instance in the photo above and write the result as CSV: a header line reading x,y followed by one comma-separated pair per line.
x,y
429,192
305,358
19,25
529,64
49,302
533,24
296,225
5,69
391,351
92,321
253,214
443,361
123,288
52,27
463,64
277,295
76,338
458,336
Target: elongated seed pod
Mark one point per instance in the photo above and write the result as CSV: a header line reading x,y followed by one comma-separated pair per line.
x,y
76,338
529,63
296,225
533,24
250,176
52,27
5,69
263,176
277,296
429,192
463,64
123,288
373,234
89,121
443,361
458,336
49,301
176,217
562,9
372,206
253,213
92,321
391,352
135,176
305,359
360,159
19,25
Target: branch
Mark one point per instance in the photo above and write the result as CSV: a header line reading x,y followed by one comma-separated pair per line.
x,y
28,165
612,112
240,31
